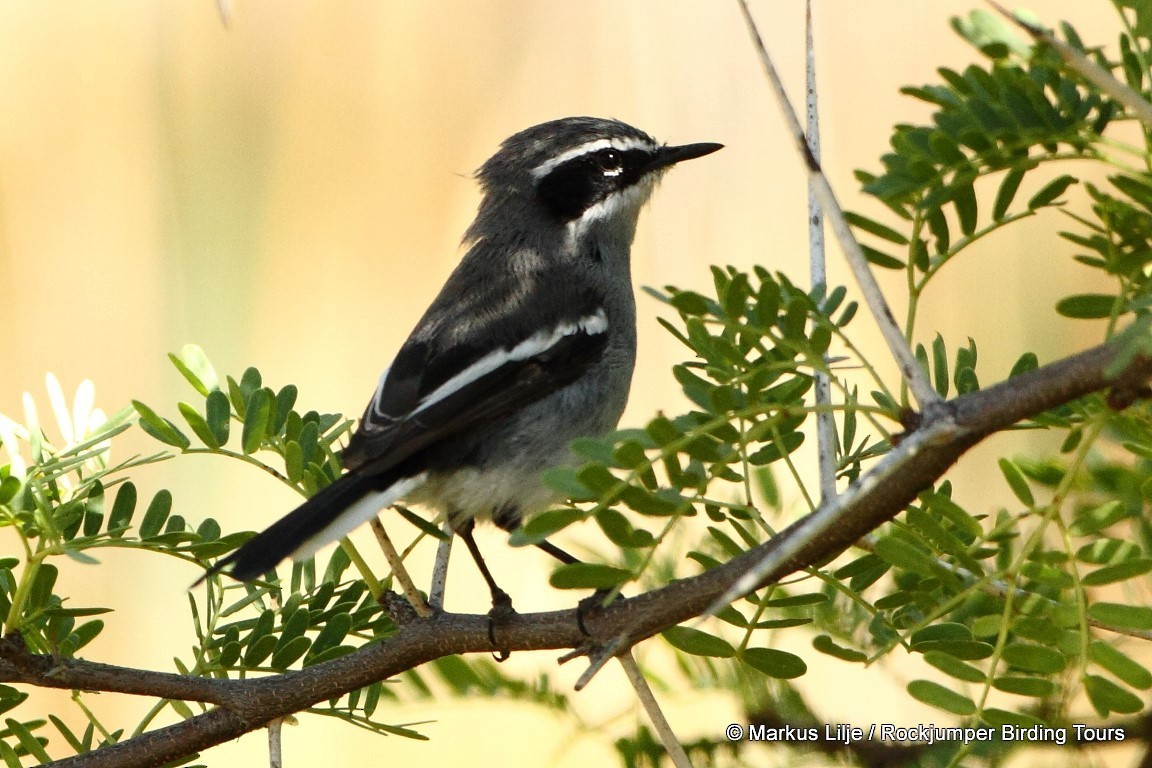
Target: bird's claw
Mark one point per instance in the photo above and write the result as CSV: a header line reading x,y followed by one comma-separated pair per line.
x,y
501,613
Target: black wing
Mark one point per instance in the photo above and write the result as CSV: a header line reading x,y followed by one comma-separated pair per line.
x,y
476,356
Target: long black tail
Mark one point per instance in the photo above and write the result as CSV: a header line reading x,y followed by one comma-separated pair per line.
x,y
300,527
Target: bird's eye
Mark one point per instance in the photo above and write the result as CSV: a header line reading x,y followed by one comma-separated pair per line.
x,y
610,161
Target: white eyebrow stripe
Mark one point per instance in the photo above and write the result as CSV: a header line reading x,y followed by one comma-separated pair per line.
x,y
539,342
623,144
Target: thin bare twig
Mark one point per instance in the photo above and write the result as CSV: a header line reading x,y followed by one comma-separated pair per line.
x,y
399,571
910,370
655,715
275,743
440,569
825,418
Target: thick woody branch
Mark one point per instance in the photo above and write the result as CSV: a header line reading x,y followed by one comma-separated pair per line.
x,y
245,705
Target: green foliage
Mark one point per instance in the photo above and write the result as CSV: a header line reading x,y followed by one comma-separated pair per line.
x,y
1016,608
1022,614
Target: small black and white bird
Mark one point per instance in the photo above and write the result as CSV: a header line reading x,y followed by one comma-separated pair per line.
x,y
530,344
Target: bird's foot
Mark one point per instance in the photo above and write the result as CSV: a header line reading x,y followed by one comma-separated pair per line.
x,y
590,606
502,612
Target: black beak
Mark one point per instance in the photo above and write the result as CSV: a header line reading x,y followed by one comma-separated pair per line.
x,y
667,156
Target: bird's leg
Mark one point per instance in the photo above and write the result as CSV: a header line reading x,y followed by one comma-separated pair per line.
x,y
510,519
502,609
590,604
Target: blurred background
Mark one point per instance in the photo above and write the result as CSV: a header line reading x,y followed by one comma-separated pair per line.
x,y
288,190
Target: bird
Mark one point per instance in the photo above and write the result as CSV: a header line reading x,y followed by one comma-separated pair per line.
x,y
530,344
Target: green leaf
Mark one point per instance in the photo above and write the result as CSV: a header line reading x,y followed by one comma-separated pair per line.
x,y
1006,193
194,366
208,530
73,741
199,425
953,513
938,226
966,207
775,663
81,557
1025,686
10,698
689,303
936,695
621,532
629,454
456,672
902,554
1086,306
1017,482
94,509
11,759
1034,658
950,631
993,35
544,525
293,461
9,487
663,502
564,480
1107,697
970,650
998,718
1116,614
881,259
1111,659
84,634
156,515
876,228
828,646
777,449
589,576
1050,191
122,509
1120,572
29,742
260,641
862,564
257,417
287,653
285,399
218,415
249,382
1027,362
333,633
1108,551
160,428
953,667
426,527
1095,519
795,601
181,708
940,365
42,585
697,643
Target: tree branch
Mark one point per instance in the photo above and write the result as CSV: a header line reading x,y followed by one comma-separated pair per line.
x,y
245,705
